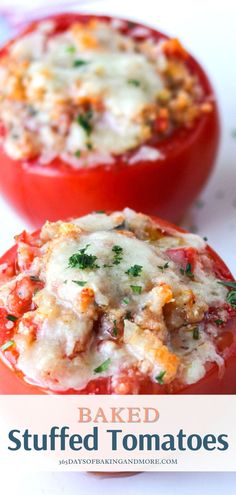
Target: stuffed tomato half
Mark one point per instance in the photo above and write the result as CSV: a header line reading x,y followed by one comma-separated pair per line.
x,y
97,112
116,303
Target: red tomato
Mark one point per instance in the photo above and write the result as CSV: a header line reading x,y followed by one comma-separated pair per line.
x,y
184,257
211,383
165,187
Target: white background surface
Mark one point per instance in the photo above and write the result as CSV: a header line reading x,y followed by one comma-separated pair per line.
x,y
207,29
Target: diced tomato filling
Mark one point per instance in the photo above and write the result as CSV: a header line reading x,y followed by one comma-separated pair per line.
x,y
173,48
213,316
28,239
6,327
162,122
183,257
2,130
19,300
8,270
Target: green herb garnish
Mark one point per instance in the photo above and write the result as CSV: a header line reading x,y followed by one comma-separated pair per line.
x,y
231,296
11,318
78,154
7,345
134,270
81,283
205,239
115,329
89,146
187,271
159,378
79,62
83,260
137,289
163,267
219,322
99,211
227,283
196,333
134,82
71,49
118,250
84,120
103,367
126,300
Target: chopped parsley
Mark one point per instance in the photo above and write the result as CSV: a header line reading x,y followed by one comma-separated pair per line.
x,y
78,154
231,296
103,367
81,283
163,267
89,146
7,345
115,329
227,283
79,62
196,333
118,254
134,270
71,49
187,271
118,250
100,211
219,322
159,378
137,289
11,318
134,82
126,300
83,260
84,120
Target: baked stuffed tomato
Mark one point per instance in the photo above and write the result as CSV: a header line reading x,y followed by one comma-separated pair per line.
x,y
103,113
116,304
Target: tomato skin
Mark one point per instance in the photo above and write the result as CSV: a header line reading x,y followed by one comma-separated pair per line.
x,y
183,257
166,187
211,383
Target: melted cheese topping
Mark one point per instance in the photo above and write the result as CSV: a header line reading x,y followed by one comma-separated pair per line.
x,y
116,299
91,92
